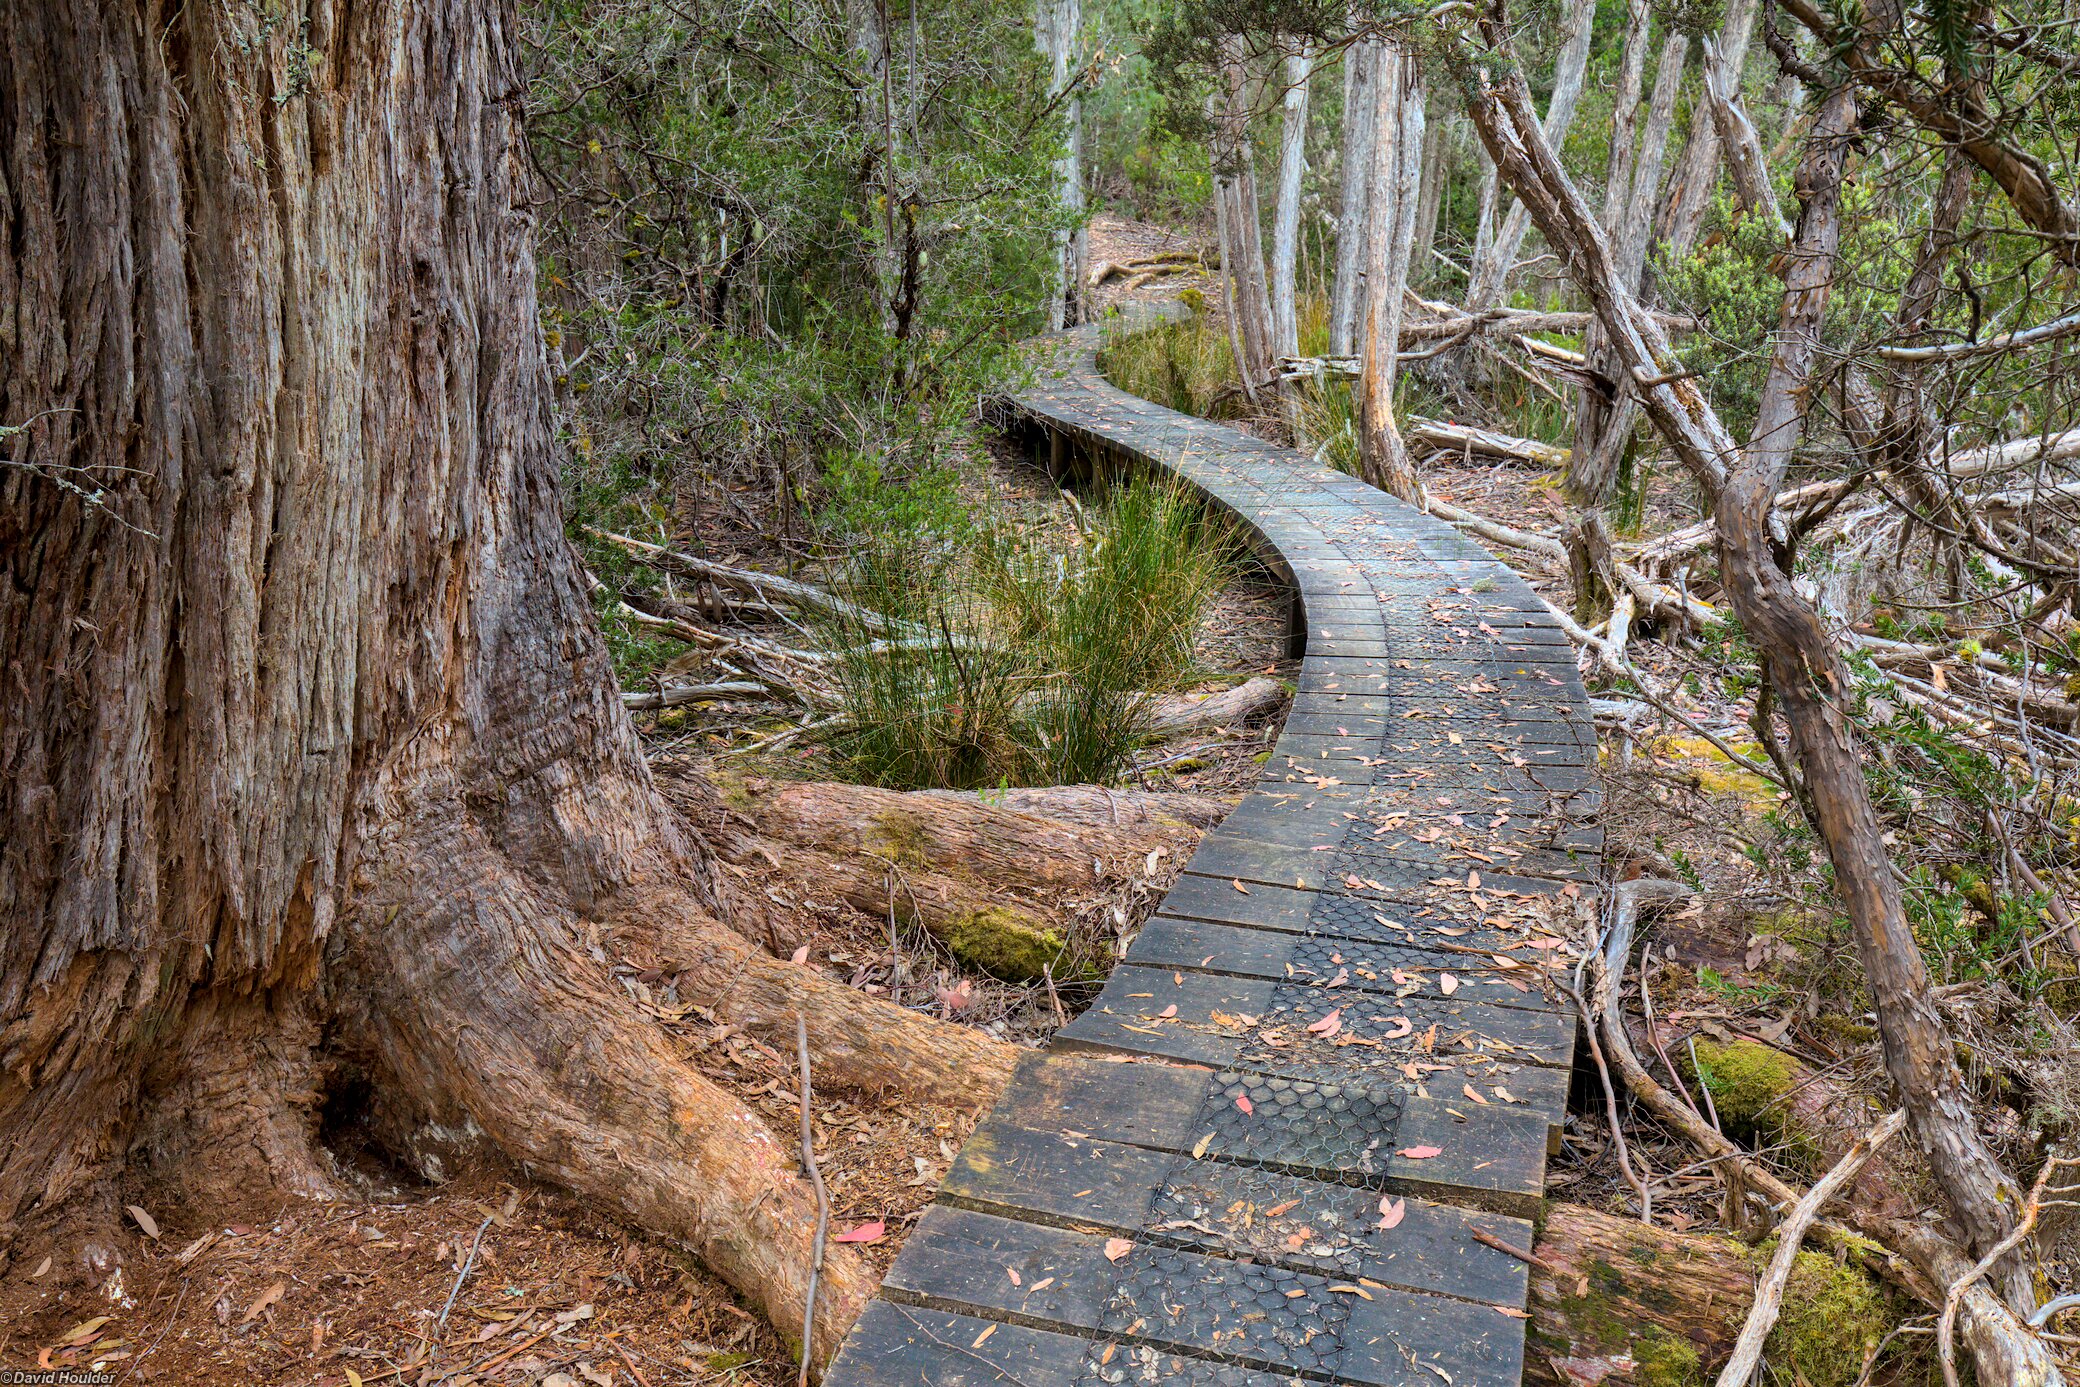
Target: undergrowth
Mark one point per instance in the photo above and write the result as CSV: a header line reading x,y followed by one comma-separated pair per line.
x,y
998,660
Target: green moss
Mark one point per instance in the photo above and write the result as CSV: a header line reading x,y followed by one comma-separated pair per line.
x,y
1008,944
1665,1360
1833,1316
1748,1082
900,837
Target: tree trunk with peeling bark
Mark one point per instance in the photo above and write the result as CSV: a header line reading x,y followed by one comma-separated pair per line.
x,y
1058,29
1697,168
315,757
1570,68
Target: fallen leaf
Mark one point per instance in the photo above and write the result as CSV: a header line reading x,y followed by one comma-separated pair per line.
x,y
1447,984
1475,1095
1012,1272
1276,1209
1422,1153
1240,887
43,1269
1167,1012
1116,1248
82,1331
1199,1147
865,1233
1329,1025
1358,1291
267,1297
1391,1211
1242,1102
800,955
144,1221
1512,1311
983,1337
575,1314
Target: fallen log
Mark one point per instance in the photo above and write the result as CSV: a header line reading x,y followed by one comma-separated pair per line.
x,y
1099,806
1459,438
1172,714
1615,1301
1003,889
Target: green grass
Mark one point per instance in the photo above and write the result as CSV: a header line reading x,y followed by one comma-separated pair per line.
x,y
1021,664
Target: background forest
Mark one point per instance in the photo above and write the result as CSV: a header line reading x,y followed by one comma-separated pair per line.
x,y
1743,329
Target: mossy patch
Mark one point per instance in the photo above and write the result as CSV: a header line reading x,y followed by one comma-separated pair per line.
x,y
1718,775
1666,1360
900,837
1749,1082
1833,1316
1010,944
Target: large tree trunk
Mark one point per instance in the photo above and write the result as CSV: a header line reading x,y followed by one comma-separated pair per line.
x,y
1397,126
309,736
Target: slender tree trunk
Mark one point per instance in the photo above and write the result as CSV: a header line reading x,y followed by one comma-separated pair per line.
x,y
1346,294
1242,249
1058,27
1603,429
1697,170
1396,175
1806,673
874,96
1437,147
1285,222
1570,68
315,759
1745,161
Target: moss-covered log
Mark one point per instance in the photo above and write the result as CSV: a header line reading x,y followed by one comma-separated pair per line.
x,y
1003,889
1615,1301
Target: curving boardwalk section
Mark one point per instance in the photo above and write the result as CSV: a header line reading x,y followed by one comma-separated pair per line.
x,y
1330,1066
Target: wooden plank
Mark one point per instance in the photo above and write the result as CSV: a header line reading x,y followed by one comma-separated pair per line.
x,y
1336,1133
1428,1045
1241,1211
1258,1316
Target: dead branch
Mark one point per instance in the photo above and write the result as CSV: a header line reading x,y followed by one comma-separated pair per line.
x,y
1791,1233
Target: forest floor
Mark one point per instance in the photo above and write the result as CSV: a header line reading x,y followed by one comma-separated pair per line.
x,y
327,1295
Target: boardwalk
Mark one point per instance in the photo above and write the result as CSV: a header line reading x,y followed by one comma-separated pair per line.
x,y
1347,1067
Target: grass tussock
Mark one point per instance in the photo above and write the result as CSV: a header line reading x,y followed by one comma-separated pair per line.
x,y
1003,660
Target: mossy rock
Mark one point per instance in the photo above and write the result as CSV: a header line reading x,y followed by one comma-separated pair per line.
x,y
1833,1316
1012,945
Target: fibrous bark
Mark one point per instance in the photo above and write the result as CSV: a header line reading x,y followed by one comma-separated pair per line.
x,y
313,754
